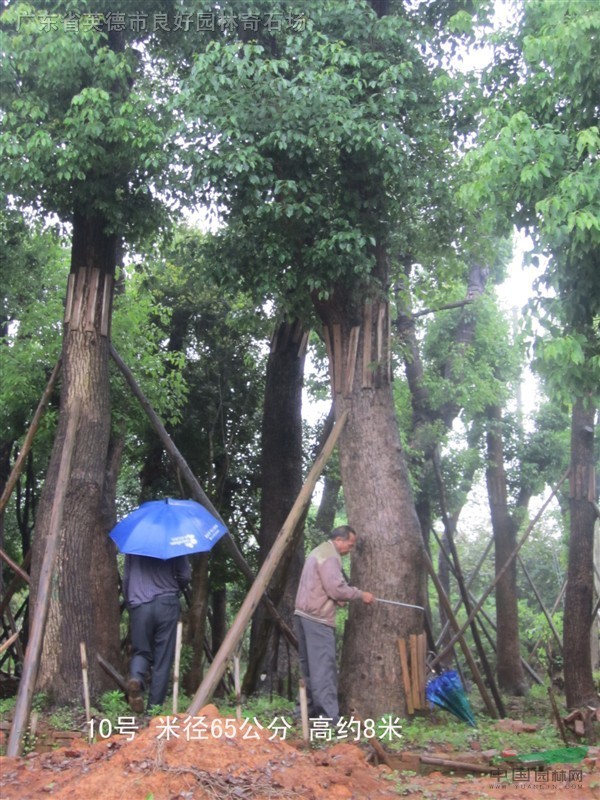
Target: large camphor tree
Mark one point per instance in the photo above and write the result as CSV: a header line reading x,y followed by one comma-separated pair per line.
x,y
82,141
319,142
539,167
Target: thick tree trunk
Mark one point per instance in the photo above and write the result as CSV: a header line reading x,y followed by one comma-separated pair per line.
x,y
511,678
281,481
579,682
84,605
388,559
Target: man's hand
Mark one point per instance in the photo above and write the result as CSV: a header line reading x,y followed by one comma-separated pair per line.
x,y
368,598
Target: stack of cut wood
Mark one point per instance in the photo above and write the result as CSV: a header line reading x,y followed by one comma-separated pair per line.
x,y
412,661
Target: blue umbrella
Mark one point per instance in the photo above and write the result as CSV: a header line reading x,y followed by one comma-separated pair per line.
x,y
446,691
167,528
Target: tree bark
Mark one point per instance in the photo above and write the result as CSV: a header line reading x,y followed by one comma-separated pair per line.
x,y
511,677
579,597
84,606
281,481
379,502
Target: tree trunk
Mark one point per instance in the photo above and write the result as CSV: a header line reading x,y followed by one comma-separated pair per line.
x,y
579,681
281,481
195,628
325,519
388,559
84,605
511,678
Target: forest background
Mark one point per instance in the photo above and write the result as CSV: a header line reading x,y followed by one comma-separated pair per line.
x,y
364,187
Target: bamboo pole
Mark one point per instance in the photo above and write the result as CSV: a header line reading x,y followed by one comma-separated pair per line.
x,y
28,441
542,606
5,645
197,491
460,638
86,688
14,566
235,633
238,686
304,711
483,659
40,615
500,574
176,666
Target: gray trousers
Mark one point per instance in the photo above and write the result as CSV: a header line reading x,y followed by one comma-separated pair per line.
x,y
316,653
153,635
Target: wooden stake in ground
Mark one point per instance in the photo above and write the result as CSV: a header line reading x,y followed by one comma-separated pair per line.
x,y
304,711
40,614
84,673
176,666
235,633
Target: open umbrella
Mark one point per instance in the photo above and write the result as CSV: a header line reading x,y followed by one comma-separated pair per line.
x,y
446,691
167,528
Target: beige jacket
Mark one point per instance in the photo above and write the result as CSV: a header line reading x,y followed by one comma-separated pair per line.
x,y
322,585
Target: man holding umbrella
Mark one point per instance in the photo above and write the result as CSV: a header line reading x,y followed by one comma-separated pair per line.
x,y
151,588
156,538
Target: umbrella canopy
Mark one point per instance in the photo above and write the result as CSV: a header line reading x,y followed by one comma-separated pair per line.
x,y
446,691
167,528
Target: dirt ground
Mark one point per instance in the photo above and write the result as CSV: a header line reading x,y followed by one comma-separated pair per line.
x,y
224,759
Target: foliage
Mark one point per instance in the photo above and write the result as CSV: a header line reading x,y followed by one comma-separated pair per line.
x,y
332,134
537,165
81,138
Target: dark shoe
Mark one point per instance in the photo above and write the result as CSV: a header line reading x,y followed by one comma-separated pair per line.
x,y
134,696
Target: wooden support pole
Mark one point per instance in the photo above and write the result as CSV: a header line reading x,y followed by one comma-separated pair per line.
x,y
5,645
501,572
14,566
304,711
460,638
197,491
40,614
112,672
28,441
406,680
237,682
541,603
84,674
235,633
483,659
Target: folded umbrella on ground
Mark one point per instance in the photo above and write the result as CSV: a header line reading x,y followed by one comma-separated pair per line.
x,y
167,528
446,691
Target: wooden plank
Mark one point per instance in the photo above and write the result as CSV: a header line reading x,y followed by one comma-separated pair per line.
x,y
338,362
265,573
329,348
367,374
414,670
81,279
380,333
70,295
107,294
350,370
406,676
92,299
422,650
